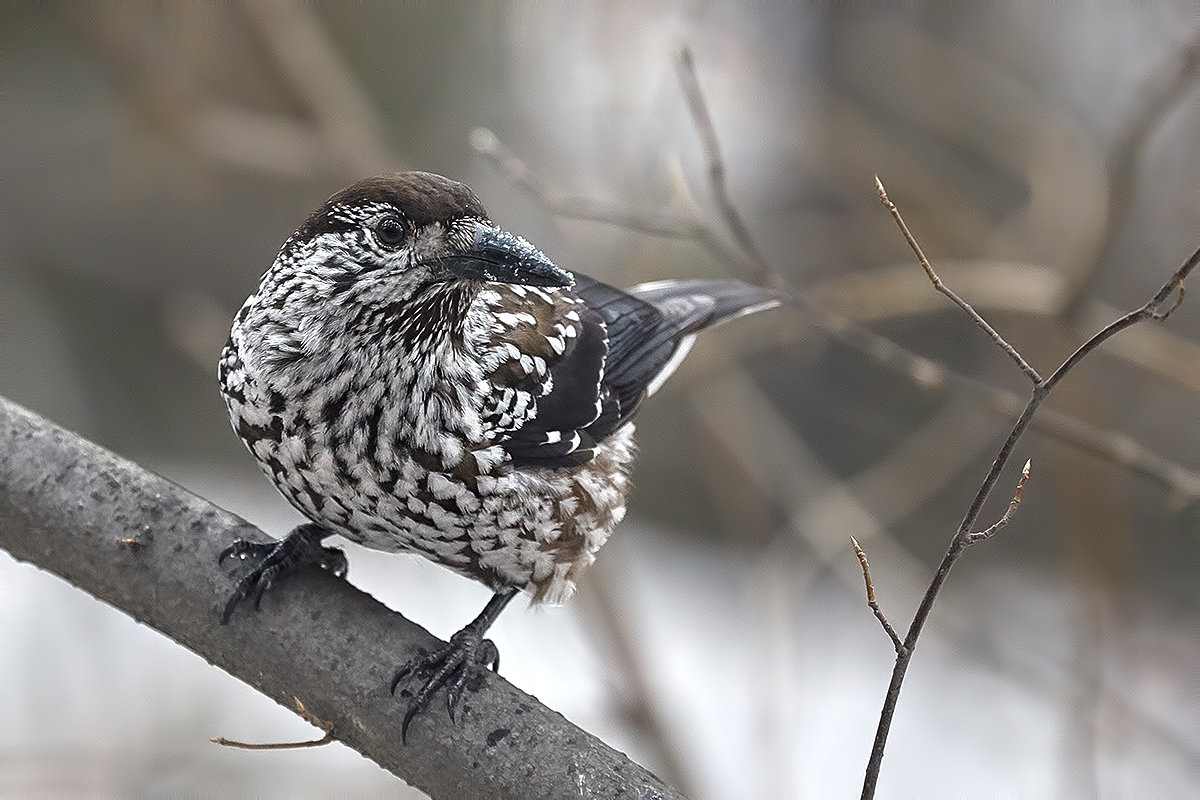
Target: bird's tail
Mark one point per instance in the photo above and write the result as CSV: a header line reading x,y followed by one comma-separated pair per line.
x,y
697,304
690,306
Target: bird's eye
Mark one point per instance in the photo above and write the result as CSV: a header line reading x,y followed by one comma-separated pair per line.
x,y
389,231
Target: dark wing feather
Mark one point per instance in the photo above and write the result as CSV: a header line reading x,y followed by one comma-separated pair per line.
x,y
627,339
556,435
638,343
652,322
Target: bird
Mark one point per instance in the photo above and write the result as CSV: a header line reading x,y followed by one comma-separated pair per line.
x,y
416,379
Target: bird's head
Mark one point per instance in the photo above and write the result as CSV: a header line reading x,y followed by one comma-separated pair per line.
x,y
389,238
386,270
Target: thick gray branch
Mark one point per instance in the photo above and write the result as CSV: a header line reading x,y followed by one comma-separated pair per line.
x,y
149,548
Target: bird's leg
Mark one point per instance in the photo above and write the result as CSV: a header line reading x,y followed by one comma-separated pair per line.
x,y
451,665
280,559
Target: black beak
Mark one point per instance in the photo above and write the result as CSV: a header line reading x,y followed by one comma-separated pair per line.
x,y
500,257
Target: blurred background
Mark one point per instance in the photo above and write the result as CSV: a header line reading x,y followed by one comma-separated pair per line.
x,y
1047,157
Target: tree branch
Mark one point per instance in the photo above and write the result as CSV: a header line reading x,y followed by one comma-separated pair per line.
x,y
149,548
1155,309
992,333
689,82
1013,504
871,601
306,715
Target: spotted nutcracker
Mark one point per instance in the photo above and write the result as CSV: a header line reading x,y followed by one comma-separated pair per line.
x,y
417,380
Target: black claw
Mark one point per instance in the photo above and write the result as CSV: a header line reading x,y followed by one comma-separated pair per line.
x,y
407,669
466,655
453,664
229,607
408,717
262,585
278,560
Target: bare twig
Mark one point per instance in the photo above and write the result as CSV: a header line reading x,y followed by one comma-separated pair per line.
x,y
1161,93
1156,314
879,615
1029,371
648,221
1153,309
987,533
689,81
306,715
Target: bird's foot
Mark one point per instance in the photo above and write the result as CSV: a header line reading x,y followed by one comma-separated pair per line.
x,y
452,665
301,548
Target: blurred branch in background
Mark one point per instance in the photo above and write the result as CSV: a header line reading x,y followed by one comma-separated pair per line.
x,y
335,129
1164,89
150,548
342,113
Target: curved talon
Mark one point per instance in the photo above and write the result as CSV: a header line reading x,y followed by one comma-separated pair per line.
x,y
260,587
453,692
408,717
407,668
450,666
252,586
230,606
278,560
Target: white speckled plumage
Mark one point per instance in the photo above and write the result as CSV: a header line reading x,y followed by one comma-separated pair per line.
x,y
481,423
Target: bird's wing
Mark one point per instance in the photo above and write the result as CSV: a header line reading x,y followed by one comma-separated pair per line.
x,y
549,352
621,347
550,387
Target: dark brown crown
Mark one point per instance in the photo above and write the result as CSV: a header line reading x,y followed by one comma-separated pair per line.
x,y
418,197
